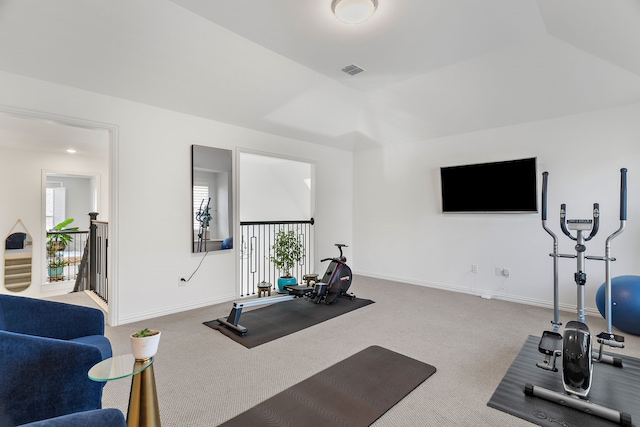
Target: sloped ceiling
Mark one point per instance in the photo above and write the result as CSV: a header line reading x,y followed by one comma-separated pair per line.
x,y
432,67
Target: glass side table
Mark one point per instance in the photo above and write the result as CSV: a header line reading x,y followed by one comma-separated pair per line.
x,y
143,400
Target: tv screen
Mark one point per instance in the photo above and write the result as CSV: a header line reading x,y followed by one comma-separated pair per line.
x,y
508,186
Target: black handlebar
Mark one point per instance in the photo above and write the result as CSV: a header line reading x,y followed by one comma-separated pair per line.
x,y
596,206
596,222
342,259
563,221
623,194
545,179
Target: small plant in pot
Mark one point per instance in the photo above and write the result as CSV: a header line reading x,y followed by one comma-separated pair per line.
x,y
55,266
287,252
144,343
57,239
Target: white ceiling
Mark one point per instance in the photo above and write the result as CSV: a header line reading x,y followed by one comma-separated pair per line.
x,y
432,67
34,134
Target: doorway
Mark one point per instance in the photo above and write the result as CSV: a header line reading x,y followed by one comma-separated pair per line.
x,y
68,199
39,144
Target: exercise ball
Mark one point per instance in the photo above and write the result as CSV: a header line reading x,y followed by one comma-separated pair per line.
x,y
227,243
625,303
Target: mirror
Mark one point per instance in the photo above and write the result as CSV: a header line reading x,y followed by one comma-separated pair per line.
x,y
212,207
17,260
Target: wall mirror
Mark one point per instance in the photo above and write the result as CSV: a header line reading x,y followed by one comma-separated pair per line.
x,y
18,254
212,207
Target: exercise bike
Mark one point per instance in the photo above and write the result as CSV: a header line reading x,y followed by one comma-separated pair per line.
x,y
335,283
575,346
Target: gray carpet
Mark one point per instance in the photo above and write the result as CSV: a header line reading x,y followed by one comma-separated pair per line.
x,y
612,387
204,378
352,393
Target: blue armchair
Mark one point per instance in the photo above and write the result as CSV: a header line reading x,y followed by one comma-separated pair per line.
x,y
46,351
97,418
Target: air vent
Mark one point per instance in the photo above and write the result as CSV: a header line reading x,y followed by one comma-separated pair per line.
x,y
352,69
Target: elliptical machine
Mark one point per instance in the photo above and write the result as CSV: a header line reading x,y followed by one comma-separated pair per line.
x,y
335,282
575,347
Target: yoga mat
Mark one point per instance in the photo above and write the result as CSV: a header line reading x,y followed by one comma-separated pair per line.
x,y
280,319
612,387
354,392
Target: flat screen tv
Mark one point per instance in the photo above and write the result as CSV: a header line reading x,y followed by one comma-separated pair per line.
x,y
500,187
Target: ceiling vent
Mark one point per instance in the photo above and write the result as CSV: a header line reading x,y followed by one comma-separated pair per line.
x,y
352,70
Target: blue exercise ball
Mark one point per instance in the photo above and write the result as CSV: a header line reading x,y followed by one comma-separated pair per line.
x,y
227,243
625,303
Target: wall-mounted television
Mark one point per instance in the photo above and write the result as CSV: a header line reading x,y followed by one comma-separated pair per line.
x,y
496,187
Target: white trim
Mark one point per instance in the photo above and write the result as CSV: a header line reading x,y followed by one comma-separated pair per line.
x,y
98,301
178,309
114,241
481,293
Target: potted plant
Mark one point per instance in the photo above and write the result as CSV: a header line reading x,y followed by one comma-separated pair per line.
x,y
55,266
57,239
287,252
144,343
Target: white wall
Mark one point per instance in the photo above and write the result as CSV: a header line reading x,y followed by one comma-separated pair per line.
x,y
274,189
400,232
21,187
150,224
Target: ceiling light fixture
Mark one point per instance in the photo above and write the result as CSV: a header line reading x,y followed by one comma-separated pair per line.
x,y
71,151
353,11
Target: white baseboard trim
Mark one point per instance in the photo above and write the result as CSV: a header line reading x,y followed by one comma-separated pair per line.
x,y
176,309
590,311
103,305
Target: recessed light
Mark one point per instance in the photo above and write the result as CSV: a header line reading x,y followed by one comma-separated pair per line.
x,y
71,150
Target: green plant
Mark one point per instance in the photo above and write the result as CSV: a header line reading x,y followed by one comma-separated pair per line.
x,y
57,262
57,238
144,333
287,251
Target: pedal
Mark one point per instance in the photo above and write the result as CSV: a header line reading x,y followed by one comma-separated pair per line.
x,y
551,346
606,338
550,343
549,362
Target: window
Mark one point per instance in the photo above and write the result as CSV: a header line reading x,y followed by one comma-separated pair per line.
x,y
55,204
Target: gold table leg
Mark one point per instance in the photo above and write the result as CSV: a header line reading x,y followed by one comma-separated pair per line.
x,y
143,400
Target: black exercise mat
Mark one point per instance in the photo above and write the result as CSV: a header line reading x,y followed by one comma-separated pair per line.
x,y
280,319
354,392
612,387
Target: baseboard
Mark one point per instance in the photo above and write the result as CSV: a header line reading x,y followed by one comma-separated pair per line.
x,y
176,309
103,305
590,311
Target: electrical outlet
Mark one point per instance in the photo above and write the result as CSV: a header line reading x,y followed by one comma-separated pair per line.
x,y
474,268
498,271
